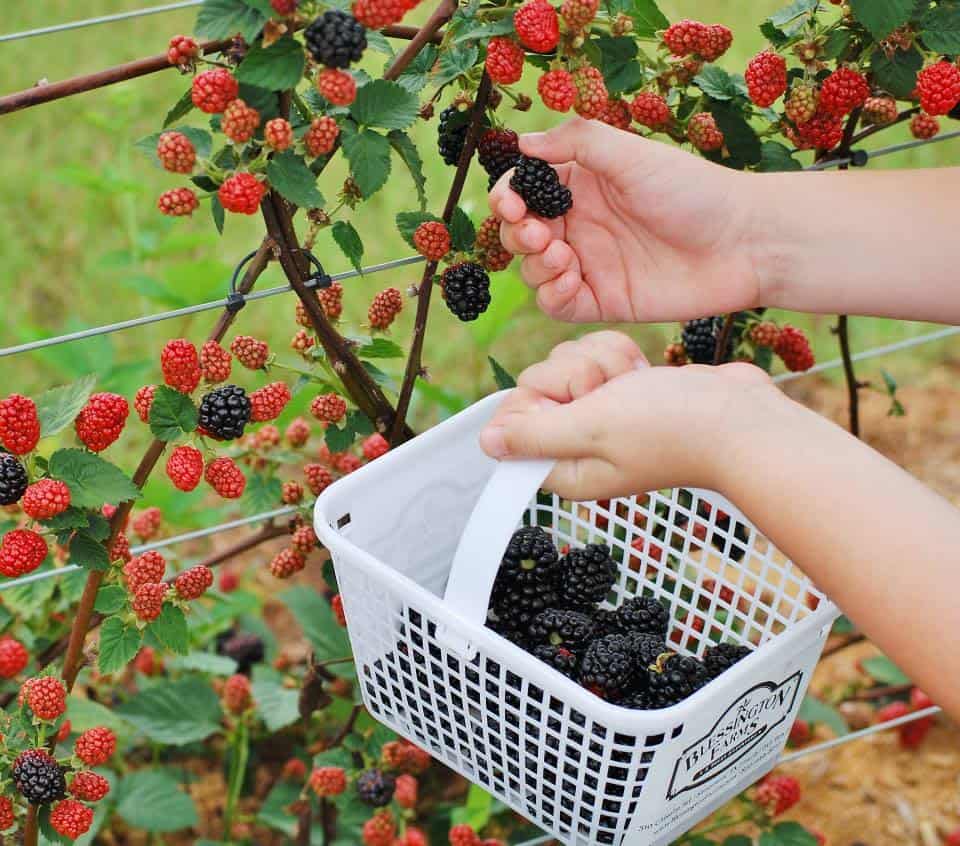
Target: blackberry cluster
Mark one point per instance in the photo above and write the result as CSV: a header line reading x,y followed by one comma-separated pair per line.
x,y
336,39
38,777
497,152
13,479
224,412
548,606
466,290
376,787
452,133
538,183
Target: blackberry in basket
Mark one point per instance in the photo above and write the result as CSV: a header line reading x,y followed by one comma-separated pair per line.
x,y
673,678
526,584
643,615
587,575
610,667
556,627
558,657
720,658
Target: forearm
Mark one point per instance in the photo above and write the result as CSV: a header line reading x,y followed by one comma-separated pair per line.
x,y
879,243
873,538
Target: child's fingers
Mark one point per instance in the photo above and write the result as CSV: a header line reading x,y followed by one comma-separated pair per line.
x,y
583,478
547,264
572,373
555,431
567,298
591,144
530,235
506,203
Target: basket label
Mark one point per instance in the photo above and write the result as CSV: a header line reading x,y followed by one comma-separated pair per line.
x,y
740,728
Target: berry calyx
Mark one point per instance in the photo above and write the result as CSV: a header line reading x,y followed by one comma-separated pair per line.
x,y
185,467
215,363
241,193
794,349
193,583
176,152
591,97
223,475
45,499
89,786
21,552
557,90
213,89
328,781
322,135
337,86
178,202
147,568
766,78
939,88
537,26
504,62
703,132
239,121
846,89
386,305
147,601
19,424
432,240
180,364
96,746
13,658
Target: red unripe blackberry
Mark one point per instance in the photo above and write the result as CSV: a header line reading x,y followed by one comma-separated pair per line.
x,y
414,837
919,700
823,131
21,552
794,349
89,786
213,89
504,62
45,499
265,437
193,583
46,697
380,829
241,193
676,356
336,605
650,109
185,467
330,408
176,152
800,733
592,94
223,475
120,548
301,342
147,523
7,815
250,352
177,202
147,568
182,50
616,113
376,14
322,135
291,492
924,126
96,746
879,111
406,791
228,582
337,86
318,477
304,540
38,777
385,307
287,562
557,90
463,835
953,838
180,364
215,363
801,105
578,13
432,241
13,658
147,662
466,290
844,90
939,88
297,432
777,793
278,134
765,334
294,770
715,42
703,133
766,78
328,781
374,446
237,695
331,300
148,601
491,253
537,26
19,424
685,37
268,402
143,400
239,121
346,462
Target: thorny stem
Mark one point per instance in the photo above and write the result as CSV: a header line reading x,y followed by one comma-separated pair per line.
x,y
720,353
398,433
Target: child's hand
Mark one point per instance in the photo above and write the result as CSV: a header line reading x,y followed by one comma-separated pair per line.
x,y
619,427
654,233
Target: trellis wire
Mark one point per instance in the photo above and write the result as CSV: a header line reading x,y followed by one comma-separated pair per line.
x,y
884,151
217,528
102,19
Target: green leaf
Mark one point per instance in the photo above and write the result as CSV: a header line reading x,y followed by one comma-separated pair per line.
x,y
359,422
119,643
739,137
289,174
348,240
500,375
223,18
176,713
218,213
385,104
262,492
110,599
738,840
204,662
72,518
92,481
462,233
313,613
881,17
368,153
172,414
940,28
838,40
715,82
889,382
275,68
264,100
376,40
476,30
455,61
276,705
794,10
337,757
410,156
793,834
274,812
417,73
380,348
618,64
407,223
882,669
814,710
170,629
59,407
476,811
182,107
153,801
48,833
339,440
774,156
87,552
897,73
648,19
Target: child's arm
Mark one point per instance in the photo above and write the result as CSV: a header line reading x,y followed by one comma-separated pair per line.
x,y
658,234
879,543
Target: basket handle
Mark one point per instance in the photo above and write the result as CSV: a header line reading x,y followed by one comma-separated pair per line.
x,y
492,521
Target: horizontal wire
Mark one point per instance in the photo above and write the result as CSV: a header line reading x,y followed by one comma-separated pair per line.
x,y
119,16
262,517
109,328
886,151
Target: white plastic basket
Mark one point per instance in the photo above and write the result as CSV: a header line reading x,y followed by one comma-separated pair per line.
x,y
585,770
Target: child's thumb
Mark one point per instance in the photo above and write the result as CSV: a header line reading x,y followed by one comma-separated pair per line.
x,y
540,432
590,143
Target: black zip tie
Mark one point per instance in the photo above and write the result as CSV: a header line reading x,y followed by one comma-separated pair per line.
x,y
236,300
319,279
859,158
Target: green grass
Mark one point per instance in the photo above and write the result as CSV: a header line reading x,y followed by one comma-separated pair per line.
x,y
83,244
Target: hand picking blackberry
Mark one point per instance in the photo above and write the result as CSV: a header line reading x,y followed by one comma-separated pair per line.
x,y
376,787
720,658
537,182
336,39
587,576
673,678
568,629
13,479
466,290
224,412
643,615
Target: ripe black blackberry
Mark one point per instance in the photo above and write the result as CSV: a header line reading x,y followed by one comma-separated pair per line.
x,y
604,622
497,151
530,556
647,648
587,575
376,787
717,659
526,583
644,615
558,657
555,627
466,290
13,479
336,39
537,182
246,648
637,700
38,777
452,134
609,667
224,412
673,678
700,338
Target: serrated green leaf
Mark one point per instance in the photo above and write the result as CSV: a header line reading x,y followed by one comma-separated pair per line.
x,y
72,518
773,34
477,30
223,18
289,174
621,72
179,712
170,629
410,156
274,812
153,801
368,153
475,812
313,613
881,17
172,414
359,422
87,552
897,73
377,41
339,440
264,100
262,492
416,75
407,223
182,107
385,104
454,62
715,82
218,213
275,704
940,28
775,157
348,240
738,135
380,348
119,643
48,834
59,407
274,68
838,40
338,757
793,10
110,599
648,19
92,481
793,834
204,662
463,235
500,375
882,669
814,710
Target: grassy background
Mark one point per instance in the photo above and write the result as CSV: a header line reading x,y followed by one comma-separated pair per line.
x,y
83,244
